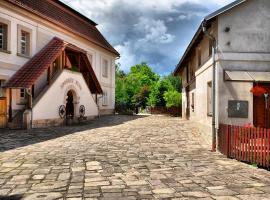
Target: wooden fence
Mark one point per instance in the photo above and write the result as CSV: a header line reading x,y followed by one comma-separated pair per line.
x,y
174,111
245,144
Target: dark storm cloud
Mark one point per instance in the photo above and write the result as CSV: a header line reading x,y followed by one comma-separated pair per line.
x,y
149,31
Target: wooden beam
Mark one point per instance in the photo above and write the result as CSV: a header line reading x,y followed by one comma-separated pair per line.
x,y
10,106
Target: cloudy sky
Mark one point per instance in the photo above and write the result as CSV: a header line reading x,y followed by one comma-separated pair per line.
x,y
153,31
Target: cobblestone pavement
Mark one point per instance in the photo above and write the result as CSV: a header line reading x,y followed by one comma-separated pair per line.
x,y
122,158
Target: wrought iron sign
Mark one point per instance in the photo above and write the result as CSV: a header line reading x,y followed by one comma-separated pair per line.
x,y
62,111
82,111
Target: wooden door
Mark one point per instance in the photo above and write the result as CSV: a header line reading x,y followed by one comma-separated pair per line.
x,y
261,109
3,112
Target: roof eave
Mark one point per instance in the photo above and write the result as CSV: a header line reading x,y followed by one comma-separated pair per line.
x,y
205,19
111,50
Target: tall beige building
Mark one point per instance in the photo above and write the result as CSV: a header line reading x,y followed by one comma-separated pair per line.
x,y
240,31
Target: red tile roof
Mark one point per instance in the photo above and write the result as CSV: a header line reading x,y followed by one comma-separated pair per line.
x,y
64,16
26,76
29,73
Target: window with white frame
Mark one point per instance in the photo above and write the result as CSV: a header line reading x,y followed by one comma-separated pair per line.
x,y
105,98
3,36
105,68
209,98
24,48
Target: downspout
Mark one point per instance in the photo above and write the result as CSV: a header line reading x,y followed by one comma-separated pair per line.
x,y
98,105
214,82
29,92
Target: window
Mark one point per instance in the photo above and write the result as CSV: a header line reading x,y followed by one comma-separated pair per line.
x,y
105,98
209,98
105,68
199,57
1,88
3,37
25,43
22,93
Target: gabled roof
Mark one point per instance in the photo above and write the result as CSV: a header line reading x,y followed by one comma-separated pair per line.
x,y
67,18
199,32
29,73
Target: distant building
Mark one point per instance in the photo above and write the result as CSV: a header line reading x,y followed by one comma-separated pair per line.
x,y
241,31
54,65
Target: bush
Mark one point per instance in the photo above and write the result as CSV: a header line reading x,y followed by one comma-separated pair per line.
x,y
173,98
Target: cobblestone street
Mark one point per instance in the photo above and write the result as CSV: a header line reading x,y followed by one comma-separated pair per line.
x,y
122,158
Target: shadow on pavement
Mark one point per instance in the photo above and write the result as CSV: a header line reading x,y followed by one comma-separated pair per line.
x,y
12,139
13,197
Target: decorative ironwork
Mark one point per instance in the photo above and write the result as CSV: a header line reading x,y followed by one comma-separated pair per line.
x,y
82,111
62,111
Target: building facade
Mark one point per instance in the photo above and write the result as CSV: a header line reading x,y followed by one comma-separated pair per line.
x,y
55,65
241,35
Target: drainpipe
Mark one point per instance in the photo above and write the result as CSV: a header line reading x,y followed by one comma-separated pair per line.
x,y
29,92
98,105
214,82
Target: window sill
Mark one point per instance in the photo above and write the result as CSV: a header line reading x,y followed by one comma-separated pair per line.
x,y
22,55
5,51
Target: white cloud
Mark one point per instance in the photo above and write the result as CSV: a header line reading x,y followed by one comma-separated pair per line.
x,y
154,31
127,58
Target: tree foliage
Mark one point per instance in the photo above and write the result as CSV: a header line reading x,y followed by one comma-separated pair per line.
x,y
172,98
142,87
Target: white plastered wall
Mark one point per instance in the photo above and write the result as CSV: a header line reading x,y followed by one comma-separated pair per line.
x,y
41,33
48,105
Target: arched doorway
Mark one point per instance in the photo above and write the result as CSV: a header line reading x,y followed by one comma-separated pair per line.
x,y
70,105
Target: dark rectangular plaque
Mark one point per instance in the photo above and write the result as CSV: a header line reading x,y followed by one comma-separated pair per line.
x,y
237,109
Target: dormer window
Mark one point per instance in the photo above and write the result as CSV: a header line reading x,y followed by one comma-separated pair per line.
x,y
3,37
25,43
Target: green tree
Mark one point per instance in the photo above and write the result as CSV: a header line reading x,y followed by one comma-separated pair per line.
x,y
172,98
133,89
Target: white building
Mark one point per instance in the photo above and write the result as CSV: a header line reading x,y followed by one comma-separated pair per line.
x,y
54,65
241,33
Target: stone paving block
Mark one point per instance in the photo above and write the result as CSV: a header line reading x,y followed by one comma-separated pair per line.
x,y
99,183
124,157
140,182
11,164
38,177
225,198
164,191
197,194
44,196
